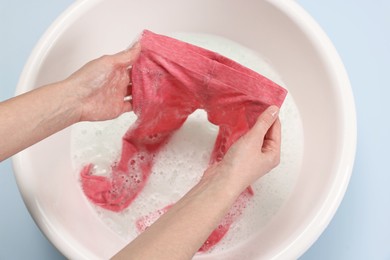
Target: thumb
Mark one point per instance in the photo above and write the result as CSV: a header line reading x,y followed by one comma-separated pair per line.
x,y
128,56
264,122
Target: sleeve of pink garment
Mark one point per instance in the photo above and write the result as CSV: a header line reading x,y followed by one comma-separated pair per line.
x,y
171,79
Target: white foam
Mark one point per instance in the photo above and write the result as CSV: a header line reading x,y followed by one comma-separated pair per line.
x,y
182,162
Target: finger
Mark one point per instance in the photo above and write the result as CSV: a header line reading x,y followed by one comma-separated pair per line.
x,y
264,122
272,139
129,90
128,56
127,106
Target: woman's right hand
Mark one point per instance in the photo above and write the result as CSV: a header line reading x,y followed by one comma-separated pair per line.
x,y
254,154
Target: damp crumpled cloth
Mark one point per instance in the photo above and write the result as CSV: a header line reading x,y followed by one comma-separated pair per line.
x,y
170,80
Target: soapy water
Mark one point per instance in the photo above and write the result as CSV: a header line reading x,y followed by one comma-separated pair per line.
x,y
181,163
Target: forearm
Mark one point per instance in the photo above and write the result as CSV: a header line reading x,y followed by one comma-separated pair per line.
x,y
93,93
30,117
180,232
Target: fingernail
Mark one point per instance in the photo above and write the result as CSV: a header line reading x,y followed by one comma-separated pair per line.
x,y
274,110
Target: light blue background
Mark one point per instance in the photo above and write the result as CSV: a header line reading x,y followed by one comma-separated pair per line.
x,y
360,31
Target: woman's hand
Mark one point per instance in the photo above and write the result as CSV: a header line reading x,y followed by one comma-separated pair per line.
x,y
255,153
102,84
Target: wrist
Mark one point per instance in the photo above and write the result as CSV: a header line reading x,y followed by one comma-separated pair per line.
x,y
220,177
69,102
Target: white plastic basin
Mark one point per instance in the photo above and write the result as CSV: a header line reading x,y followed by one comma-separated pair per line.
x,y
280,31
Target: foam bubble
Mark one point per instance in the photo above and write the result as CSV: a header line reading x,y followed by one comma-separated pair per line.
x,y
180,165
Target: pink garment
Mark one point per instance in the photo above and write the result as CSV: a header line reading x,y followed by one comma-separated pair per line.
x,y
171,79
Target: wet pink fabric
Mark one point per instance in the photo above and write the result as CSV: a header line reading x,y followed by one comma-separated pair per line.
x,y
171,79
